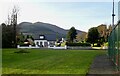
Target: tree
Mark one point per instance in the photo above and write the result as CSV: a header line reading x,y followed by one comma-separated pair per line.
x,y
101,41
109,29
93,35
9,30
71,35
78,37
20,39
81,36
103,32
14,24
7,36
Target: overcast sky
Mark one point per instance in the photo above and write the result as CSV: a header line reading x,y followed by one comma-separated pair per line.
x,y
80,14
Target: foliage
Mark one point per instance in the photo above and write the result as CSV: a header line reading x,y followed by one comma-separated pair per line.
x,y
97,45
7,36
81,37
71,35
29,39
106,44
20,39
78,44
63,44
48,61
58,44
9,31
101,41
93,35
103,35
29,36
103,32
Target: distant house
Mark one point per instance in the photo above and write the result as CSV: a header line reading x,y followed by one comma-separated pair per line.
x,y
41,42
44,40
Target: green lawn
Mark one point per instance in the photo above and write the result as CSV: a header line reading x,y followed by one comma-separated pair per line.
x,y
48,61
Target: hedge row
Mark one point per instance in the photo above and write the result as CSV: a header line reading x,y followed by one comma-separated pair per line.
x,y
78,44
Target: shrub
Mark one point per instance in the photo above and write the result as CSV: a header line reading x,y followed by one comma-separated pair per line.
x,y
78,44
98,45
20,43
106,44
63,44
24,45
58,44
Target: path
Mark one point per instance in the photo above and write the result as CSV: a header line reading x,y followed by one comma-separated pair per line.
x,y
101,66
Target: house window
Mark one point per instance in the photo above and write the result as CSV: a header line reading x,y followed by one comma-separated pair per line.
x,y
41,44
51,43
37,43
45,44
42,37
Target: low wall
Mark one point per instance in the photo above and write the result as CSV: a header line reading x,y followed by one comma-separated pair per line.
x,y
57,47
79,47
65,47
23,47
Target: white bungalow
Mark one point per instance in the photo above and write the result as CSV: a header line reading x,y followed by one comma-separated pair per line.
x,y
44,41
47,41
41,42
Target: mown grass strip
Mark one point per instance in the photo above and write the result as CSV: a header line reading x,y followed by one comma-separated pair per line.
x,y
48,61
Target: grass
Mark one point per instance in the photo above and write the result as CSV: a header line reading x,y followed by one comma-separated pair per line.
x,y
48,61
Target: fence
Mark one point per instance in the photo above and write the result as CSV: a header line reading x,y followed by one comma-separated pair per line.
x,y
114,46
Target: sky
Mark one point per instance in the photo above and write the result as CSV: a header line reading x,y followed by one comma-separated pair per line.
x,y
119,10
65,13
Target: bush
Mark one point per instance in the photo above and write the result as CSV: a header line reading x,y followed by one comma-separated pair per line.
x,y
58,44
22,51
106,44
78,44
20,43
63,44
98,45
24,45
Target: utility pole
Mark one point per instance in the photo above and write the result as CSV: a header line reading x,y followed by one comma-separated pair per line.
x,y
119,11
113,15
113,35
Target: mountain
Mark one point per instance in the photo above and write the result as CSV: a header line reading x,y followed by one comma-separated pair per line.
x,y
40,28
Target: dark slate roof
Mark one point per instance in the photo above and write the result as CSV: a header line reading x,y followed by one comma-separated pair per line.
x,y
49,37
